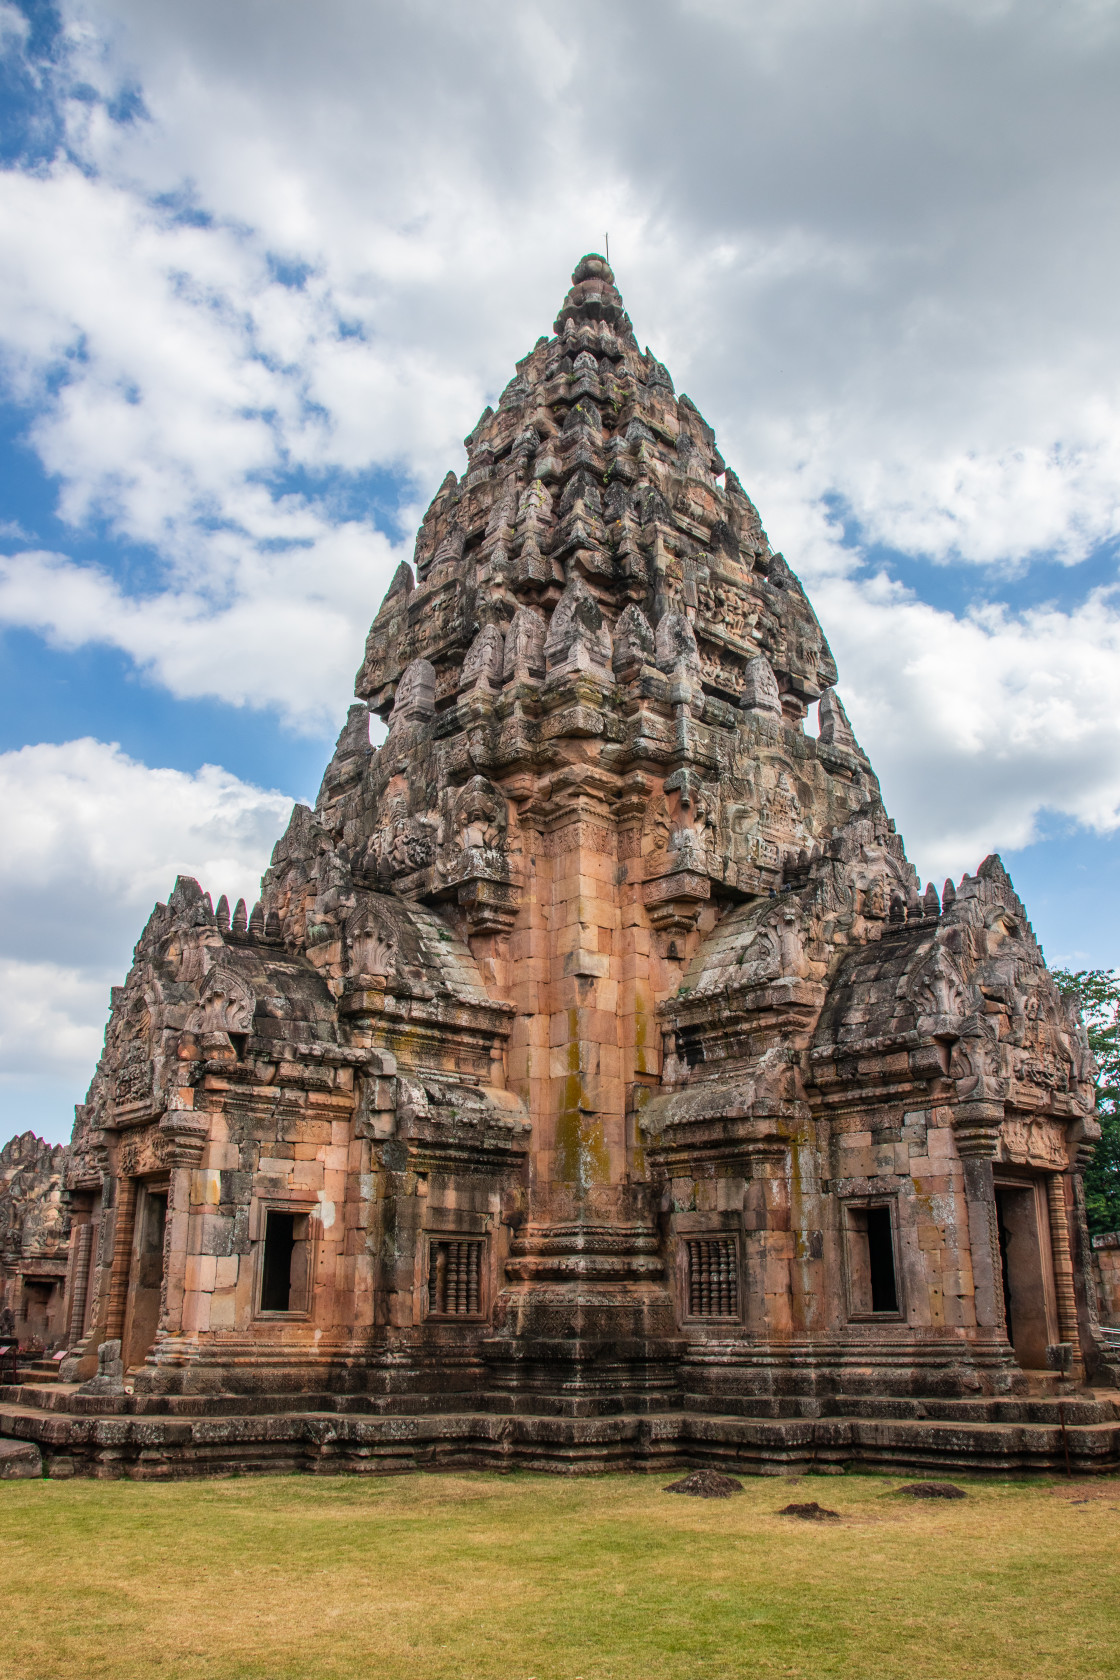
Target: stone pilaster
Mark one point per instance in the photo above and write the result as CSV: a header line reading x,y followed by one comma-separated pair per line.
x,y
123,1230
1063,1264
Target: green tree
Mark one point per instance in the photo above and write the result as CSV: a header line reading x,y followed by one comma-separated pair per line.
x,y
1097,993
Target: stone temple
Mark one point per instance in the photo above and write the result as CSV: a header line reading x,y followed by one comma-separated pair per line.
x,y
593,1085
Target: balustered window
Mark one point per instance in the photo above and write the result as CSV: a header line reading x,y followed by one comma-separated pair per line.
x,y
713,1277
455,1277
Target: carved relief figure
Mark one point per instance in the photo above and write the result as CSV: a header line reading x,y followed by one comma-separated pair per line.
x,y
372,944
481,817
938,989
227,1004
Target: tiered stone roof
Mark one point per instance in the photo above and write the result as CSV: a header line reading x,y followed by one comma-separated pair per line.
x,y
591,1020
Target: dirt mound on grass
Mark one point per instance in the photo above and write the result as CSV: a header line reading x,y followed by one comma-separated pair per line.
x,y
810,1512
934,1490
706,1484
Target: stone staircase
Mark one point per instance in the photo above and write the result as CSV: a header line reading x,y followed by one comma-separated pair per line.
x,y
170,1436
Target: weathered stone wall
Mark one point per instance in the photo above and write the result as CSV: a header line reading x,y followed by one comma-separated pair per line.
x,y
34,1235
1106,1270
593,1047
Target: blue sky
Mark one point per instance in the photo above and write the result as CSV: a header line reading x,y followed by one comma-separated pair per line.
x,y
262,266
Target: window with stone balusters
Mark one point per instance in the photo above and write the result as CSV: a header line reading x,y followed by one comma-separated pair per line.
x,y
455,1277
713,1277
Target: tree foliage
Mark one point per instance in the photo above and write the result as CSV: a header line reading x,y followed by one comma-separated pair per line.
x,y
1097,993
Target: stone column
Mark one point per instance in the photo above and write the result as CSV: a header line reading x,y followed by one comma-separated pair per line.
x,y
976,1133
175,1250
187,1132
83,1248
983,1240
585,1266
1063,1262
768,1241
586,1096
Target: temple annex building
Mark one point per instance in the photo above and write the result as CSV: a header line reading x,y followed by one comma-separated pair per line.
x,y
593,1084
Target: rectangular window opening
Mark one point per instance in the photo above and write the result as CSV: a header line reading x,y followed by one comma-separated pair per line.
x,y
880,1260
455,1278
150,1260
713,1277
285,1243
873,1280
155,1221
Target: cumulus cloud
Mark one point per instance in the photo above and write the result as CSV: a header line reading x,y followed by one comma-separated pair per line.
x,y
178,407
49,1025
976,724
289,634
89,840
875,243
845,221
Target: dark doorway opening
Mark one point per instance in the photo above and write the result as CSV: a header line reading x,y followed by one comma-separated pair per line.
x,y
1005,1269
880,1260
872,1274
146,1282
1029,1301
276,1272
37,1311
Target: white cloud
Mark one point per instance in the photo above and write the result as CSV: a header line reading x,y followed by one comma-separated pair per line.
x,y
89,840
974,725
288,632
175,410
14,26
49,1022
876,244
846,226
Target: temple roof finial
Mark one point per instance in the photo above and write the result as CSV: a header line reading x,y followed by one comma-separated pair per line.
x,y
594,297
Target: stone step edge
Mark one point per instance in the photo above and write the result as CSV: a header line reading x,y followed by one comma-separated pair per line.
x,y
1103,1405
59,1430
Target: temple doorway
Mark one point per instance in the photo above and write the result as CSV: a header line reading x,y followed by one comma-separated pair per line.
x,y
36,1310
1029,1298
146,1278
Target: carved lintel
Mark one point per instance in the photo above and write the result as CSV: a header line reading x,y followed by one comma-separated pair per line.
x,y
682,883
123,1116
754,1146
85,1181
674,916
477,863
767,1157
686,859
1027,1140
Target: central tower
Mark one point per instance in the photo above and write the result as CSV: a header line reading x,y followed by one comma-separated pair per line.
x,y
594,687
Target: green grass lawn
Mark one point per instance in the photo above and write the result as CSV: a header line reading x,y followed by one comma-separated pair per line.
x,y
528,1577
